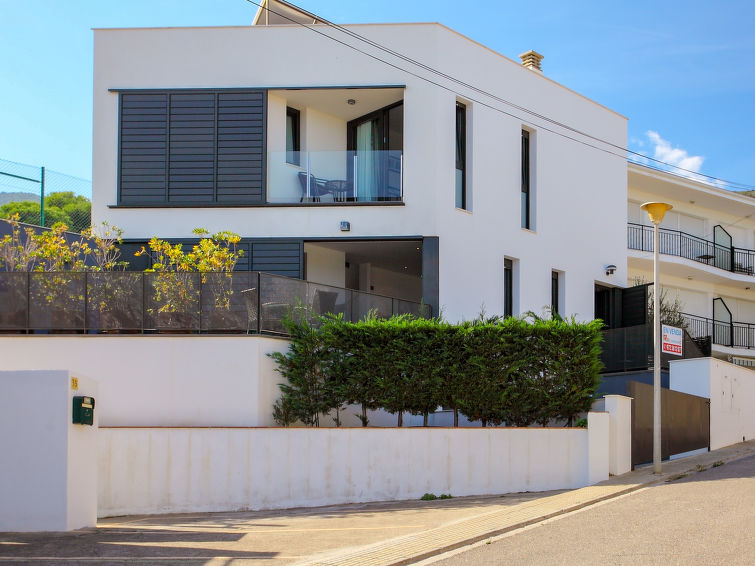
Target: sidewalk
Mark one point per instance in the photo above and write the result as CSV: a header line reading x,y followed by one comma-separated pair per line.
x,y
359,534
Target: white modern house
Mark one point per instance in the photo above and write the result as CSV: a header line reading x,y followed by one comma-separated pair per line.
x,y
707,252
419,176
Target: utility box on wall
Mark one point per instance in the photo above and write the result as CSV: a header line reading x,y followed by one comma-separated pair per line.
x,y
83,410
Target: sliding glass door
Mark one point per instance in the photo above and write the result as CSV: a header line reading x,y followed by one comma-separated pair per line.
x,y
376,140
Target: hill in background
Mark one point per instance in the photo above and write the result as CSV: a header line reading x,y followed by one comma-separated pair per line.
x,y
16,197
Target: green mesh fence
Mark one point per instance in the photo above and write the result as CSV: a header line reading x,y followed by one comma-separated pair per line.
x,y
44,197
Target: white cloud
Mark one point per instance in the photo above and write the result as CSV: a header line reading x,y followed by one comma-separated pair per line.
x,y
677,157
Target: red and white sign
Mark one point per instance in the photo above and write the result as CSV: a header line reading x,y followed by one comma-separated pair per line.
x,y
671,340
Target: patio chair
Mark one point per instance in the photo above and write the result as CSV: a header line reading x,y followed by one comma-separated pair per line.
x,y
316,187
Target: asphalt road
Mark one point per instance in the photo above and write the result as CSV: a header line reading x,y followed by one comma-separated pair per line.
x,y
707,517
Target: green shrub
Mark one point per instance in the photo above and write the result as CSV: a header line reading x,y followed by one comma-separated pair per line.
x,y
513,371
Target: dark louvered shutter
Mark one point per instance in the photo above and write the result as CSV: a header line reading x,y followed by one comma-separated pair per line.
x,y
278,257
241,121
143,151
192,148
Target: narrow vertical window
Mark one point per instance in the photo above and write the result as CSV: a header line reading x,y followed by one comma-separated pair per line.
x,y
508,288
293,142
554,292
461,156
525,179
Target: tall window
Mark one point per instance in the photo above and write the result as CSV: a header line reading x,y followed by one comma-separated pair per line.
x,y
461,156
508,288
525,179
293,139
554,292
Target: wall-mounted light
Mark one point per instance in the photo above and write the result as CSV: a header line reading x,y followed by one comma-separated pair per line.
x,y
345,225
351,102
610,269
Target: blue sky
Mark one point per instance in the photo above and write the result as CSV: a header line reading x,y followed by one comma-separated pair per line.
x,y
683,72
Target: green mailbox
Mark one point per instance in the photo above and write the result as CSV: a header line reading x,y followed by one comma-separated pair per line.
x,y
83,410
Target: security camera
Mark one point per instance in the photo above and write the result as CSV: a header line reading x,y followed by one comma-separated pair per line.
x,y
610,269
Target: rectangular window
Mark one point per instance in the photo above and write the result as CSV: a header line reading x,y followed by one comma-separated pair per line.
x,y
508,288
525,179
293,136
461,156
554,292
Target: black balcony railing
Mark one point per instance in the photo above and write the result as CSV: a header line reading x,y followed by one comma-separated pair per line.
x,y
128,302
681,244
732,334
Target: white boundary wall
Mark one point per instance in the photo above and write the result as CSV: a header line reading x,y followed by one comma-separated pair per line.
x,y
163,380
170,470
48,475
731,390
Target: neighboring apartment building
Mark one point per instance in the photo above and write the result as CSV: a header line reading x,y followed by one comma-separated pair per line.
x,y
343,169
707,247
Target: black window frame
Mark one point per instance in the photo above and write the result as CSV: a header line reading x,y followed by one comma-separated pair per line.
x,y
293,155
555,307
460,150
508,287
526,220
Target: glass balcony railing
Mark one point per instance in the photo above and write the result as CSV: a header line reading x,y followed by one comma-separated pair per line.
x,y
327,177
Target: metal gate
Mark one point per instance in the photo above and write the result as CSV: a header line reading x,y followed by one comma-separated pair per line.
x,y
685,422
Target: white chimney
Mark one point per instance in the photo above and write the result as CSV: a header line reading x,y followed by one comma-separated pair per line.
x,y
531,59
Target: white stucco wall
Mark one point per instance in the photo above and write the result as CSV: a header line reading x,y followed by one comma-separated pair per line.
x,y
325,265
163,380
48,479
569,178
174,470
731,390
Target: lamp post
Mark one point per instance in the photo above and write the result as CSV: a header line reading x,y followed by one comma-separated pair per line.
x,y
656,212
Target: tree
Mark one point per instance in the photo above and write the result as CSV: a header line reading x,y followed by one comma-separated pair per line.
x,y
75,211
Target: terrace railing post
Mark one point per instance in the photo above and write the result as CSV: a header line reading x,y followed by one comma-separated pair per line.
x,y
200,303
259,302
28,301
144,302
86,301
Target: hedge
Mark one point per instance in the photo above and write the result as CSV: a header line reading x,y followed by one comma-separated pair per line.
x,y
509,371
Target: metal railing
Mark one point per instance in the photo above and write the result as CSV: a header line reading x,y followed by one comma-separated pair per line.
x,y
328,177
131,302
732,334
681,244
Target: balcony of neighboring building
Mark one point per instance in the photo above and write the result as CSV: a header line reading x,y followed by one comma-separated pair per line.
x,y
684,254
335,146
728,338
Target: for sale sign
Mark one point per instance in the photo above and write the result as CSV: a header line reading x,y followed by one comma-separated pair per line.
x,y
671,341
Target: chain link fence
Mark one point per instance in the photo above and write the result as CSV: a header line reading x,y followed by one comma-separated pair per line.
x,y
44,197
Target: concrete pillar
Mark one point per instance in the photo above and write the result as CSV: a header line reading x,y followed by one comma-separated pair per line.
x,y
597,446
619,409
48,480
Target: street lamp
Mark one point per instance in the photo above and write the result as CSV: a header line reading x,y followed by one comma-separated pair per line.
x,y
656,211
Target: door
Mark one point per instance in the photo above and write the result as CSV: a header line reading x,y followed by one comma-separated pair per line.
x,y
375,144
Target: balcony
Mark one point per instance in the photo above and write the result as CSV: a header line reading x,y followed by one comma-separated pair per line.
x,y
335,177
721,333
681,244
188,303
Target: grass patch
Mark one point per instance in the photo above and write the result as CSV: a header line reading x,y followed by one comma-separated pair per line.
x,y
445,496
701,468
717,463
428,497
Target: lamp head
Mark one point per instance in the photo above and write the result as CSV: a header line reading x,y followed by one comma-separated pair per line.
x,y
656,210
